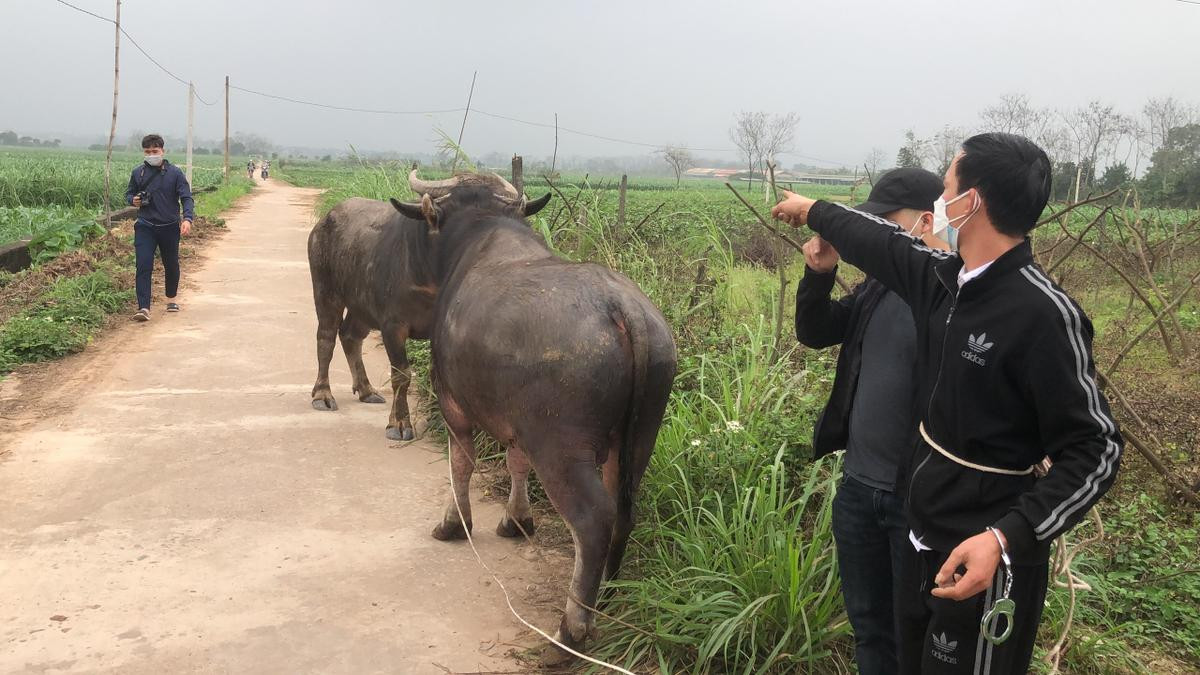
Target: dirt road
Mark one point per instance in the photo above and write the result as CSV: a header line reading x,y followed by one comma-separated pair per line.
x,y
177,505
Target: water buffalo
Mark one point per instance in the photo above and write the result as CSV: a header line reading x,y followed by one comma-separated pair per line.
x,y
567,364
371,271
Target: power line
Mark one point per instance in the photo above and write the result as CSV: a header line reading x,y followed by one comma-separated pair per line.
x,y
139,48
383,111
164,68
80,9
375,111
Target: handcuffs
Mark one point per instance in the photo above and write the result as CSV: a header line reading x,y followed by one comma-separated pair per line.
x,y
1003,607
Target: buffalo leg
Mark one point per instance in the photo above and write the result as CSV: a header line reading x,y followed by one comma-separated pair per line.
x,y
329,318
518,517
462,465
399,426
580,498
352,334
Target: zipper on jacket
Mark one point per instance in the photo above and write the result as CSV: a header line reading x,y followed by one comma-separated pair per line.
x,y
937,380
941,358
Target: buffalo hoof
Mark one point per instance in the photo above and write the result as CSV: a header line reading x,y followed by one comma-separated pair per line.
x,y
324,404
398,434
509,528
372,398
554,656
451,531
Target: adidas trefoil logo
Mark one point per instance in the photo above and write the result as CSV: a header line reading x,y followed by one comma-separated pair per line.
x,y
979,344
976,346
942,643
943,648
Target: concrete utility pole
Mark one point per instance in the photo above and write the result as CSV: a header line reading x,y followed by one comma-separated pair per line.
x,y
112,132
191,117
226,127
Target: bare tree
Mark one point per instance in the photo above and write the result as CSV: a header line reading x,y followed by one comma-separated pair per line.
x,y
1014,115
1094,130
680,159
747,133
780,132
944,145
1160,115
873,163
1164,114
912,153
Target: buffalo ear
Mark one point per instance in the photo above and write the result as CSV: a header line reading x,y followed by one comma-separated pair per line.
x,y
536,205
424,210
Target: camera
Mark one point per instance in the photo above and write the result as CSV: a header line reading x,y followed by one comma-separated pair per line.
x,y
144,196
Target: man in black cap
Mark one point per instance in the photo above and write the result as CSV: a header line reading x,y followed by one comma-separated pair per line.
x,y
870,411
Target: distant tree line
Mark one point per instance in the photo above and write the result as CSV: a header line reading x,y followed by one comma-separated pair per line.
x,y
12,138
1094,148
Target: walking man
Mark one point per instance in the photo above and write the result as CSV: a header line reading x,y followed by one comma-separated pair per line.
x,y
870,412
158,188
1006,379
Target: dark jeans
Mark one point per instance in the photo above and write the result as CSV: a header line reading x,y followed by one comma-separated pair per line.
x,y
941,637
147,238
871,535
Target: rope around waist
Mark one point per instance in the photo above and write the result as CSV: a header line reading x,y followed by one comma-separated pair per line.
x,y
971,465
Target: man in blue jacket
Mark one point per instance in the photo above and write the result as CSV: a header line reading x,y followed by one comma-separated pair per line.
x,y
158,188
1007,379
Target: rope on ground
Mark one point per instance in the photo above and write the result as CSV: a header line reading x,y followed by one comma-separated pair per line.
x,y
507,598
1064,577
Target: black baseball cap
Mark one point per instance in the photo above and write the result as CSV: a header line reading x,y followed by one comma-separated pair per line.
x,y
908,188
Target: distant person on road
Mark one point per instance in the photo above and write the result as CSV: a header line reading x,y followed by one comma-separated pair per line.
x,y
250,169
158,188
870,411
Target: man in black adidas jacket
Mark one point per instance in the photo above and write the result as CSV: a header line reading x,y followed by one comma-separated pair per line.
x,y
1007,377
870,413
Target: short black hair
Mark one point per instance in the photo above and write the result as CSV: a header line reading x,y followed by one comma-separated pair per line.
x,y
1013,175
152,141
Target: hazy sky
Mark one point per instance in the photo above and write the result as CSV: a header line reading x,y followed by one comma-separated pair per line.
x,y
857,72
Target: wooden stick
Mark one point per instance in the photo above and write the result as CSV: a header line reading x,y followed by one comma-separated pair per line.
x,y
112,132
1074,206
1112,368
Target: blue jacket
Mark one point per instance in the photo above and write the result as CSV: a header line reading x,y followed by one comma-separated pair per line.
x,y
168,188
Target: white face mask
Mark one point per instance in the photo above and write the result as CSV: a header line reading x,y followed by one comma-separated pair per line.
x,y
154,160
942,222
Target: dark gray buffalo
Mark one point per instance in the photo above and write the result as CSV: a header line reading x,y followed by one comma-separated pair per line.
x,y
371,270
568,364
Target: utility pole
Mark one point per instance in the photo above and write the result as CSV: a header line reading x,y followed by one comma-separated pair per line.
x,y
463,128
112,132
191,117
226,127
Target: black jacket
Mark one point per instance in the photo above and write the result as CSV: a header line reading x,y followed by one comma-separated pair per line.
x,y
823,322
1007,377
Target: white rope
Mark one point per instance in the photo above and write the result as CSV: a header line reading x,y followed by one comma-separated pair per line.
x,y
971,465
507,598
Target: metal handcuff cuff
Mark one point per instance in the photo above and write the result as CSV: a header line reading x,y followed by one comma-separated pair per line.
x,y
1003,607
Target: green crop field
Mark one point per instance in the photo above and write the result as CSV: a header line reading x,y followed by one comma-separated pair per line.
x,y
41,189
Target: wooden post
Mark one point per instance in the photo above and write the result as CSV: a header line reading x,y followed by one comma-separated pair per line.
x,y
226,127
621,201
518,174
463,128
191,118
112,131
554,158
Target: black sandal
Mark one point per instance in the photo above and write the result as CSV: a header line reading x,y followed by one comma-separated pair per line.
x,y
172,307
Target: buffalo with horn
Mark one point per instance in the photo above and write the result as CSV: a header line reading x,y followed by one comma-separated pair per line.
x,y
372,269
